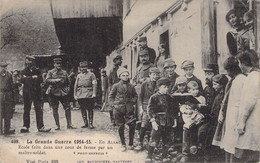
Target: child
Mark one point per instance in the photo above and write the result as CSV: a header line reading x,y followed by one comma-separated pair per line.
x,y
162,111
192,119
181,85
148,88
122,98
85,89
188,67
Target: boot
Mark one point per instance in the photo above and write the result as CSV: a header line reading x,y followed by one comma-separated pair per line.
x,y
7,130
57,121
90,117
112,118
68,118
85,120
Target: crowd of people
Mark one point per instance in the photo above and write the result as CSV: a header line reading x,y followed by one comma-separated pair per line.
x,y
216,123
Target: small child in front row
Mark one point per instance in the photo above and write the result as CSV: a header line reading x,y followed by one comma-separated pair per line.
x,y
192,119
123,98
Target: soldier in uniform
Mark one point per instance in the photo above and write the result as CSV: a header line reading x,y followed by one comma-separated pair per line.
x,y
169,70
6,99
122,98
58,91
148,88
112,79
143,46
163,111
85,90
31,78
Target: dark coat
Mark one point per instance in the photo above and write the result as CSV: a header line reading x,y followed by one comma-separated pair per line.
x,y
148,88
216,107
163,103
112,77
31,87
6,95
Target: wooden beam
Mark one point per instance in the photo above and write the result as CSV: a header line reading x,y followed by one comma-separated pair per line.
x,y
208,33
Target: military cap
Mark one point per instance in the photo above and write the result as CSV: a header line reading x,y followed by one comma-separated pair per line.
x,y
83,64
181,79
121,70
220,79
143,52
142,39
29,57
162,46
211,67
169,62
163,81
231,62
118,56
154,70
187,64
3,64
57,60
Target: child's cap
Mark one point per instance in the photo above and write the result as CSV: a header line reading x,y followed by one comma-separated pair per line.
x,y
187,64
121,70
169,62
220,79
192,84
154,70
180,80
163,81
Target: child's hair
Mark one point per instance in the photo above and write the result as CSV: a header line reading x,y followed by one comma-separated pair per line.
x,y
192,84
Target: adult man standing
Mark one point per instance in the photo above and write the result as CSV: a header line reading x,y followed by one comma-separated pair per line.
x,y
143,46
6,99
112,79
58,91
31,78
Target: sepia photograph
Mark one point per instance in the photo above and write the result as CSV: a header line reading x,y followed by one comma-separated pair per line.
x,y
129,81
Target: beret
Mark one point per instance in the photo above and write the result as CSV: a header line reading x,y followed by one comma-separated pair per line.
x,y
121,70
220,79
163,81
169,62
154,70
187,64
142,39
180,80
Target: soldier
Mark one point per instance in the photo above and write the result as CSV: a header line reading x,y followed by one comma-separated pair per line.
x,y
58,91
85,90
122,98
143,46
6,99
169,70
104,87
31,78
148,88
163,112
112,79
209,92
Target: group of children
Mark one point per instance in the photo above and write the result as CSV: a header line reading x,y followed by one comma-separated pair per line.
x,y
171,107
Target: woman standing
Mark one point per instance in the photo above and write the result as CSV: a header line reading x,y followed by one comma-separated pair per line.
x,y
85,90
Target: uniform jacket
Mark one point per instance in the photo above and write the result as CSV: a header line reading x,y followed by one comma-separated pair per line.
x,y
61,88
120,94
250,108
85,85
163,103
148,88
31,87
142,73
6,94
112,77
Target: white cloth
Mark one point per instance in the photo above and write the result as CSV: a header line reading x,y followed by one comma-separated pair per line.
x,y
250,108
230,135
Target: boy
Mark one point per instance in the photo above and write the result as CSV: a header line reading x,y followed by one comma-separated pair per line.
x,y
192,119
181,85
122,98
188,67
148,88
169,72
162,111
